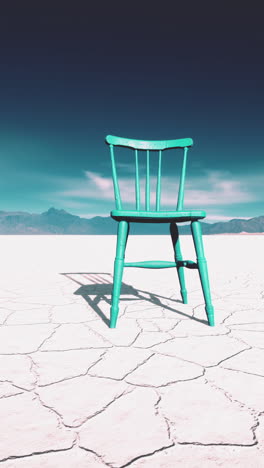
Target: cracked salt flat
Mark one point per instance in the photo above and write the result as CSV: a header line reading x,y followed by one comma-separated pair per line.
x,y
161,390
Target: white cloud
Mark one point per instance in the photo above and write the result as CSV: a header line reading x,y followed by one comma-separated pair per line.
x,y
218,218
92,215
213,188
95,186
218,188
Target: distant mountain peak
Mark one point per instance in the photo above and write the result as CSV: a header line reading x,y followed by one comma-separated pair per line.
x,y
55,211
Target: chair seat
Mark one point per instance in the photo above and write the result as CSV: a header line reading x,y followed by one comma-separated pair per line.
x,y
157,216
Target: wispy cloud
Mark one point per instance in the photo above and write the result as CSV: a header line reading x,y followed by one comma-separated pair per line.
x,y
95,186
218,218
218,194
213,190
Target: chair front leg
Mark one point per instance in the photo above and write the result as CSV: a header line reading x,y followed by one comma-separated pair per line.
x,y
122,235
178,257
203,272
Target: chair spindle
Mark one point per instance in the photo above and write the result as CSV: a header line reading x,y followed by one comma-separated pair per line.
x,y
147,184
158,183
182,181
137,182
115,180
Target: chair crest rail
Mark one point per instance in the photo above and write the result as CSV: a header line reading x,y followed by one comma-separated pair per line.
x,y
148,144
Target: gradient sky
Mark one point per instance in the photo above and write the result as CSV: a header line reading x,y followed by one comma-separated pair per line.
x,y
71,73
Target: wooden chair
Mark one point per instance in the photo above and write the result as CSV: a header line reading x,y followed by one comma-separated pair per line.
x,y
124,217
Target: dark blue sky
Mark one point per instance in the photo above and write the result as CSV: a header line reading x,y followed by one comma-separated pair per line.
x,y
71,73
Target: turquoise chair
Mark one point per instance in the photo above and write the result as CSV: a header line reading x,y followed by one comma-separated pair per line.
x,y
146,215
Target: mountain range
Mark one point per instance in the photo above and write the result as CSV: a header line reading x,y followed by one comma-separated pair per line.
x,y
56,221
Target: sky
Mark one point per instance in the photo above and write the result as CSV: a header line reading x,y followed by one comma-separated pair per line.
x,y
73,72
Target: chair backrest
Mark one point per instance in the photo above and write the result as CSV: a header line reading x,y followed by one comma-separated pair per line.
x,y
148,146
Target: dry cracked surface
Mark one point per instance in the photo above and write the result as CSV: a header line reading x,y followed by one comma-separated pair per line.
x,y
163,389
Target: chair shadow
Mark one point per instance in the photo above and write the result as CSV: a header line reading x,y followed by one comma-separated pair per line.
x,y
100,285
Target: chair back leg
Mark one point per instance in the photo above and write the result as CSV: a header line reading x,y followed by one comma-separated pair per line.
x,y
122,235
178,257
203,272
